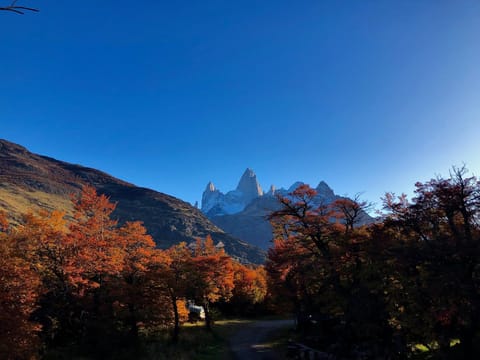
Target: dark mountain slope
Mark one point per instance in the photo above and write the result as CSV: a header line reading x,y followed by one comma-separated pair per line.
x,y
251,223
30,181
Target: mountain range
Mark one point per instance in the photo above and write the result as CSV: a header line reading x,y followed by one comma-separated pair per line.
x,y
29,181
243,212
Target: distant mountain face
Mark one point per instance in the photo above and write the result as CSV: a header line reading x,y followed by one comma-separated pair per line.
x,y
216,203
243,212
29,181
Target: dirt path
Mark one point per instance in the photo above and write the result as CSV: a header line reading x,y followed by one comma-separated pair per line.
x,y
253,341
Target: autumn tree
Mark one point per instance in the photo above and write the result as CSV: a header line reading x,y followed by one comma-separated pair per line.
x,y
250,293
42,238
19,291
293,276
175,277
351,211
316,227
86,281
136,288
74,261
304,242
213,276
250,284
95,238
440,271
321,260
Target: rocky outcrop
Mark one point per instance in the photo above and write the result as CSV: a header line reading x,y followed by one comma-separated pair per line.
x,y
249,186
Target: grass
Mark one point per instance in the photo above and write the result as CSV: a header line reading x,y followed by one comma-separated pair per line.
x,y
421,351
194,343
16,201
197,343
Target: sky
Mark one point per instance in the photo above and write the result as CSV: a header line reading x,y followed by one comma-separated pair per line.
x,y
367,95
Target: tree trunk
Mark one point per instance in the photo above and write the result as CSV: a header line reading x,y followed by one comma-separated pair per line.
x,y
208,320
132,319
176,328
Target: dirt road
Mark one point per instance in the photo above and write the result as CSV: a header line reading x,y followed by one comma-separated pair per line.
x,y
255,340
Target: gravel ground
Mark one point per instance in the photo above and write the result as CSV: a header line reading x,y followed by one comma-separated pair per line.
x,y
253,341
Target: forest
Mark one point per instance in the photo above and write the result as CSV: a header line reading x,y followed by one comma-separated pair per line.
x,y
405,286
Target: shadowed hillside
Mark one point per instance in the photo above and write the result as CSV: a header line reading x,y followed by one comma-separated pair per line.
x,y
31,181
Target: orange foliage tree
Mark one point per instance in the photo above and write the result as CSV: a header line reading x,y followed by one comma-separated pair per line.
x,y
300,264
175,277
19,289
94,237
250,283
213,276
250,287
136,289
87,279
321,261
43,240
94,273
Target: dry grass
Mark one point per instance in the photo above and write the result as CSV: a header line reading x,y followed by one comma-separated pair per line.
x,y
16,201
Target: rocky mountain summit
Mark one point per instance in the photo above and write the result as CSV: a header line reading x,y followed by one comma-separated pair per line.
x,y
243,212
29,182
215,203
248,192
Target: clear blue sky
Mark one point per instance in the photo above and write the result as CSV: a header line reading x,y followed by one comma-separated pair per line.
x,y
367,95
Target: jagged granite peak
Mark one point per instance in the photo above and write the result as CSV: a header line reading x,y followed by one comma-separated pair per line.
x,y
210,187
249,221
325,190
249,186
211,197
295,185
272,190
215,202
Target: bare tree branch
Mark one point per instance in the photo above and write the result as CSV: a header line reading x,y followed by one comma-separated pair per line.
x,y
17,9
